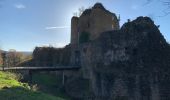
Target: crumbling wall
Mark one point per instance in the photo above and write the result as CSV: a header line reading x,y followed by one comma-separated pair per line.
x,y
74,31
90,25
49,56
129,64
94,20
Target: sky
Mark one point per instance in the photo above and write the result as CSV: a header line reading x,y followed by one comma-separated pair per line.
x,y
25,24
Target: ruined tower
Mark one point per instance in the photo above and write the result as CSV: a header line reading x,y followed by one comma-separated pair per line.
x,y
89,26
74,30
93,21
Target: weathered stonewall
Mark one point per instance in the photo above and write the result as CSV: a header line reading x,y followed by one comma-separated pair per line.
x,y
132,63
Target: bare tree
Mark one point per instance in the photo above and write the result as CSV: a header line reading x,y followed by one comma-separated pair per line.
x,y
2,55
13,58
165,3
80,11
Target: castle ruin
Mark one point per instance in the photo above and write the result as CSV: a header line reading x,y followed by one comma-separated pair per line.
x,y
127,63
93,21
90,25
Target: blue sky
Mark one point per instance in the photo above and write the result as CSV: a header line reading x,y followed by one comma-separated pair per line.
x,y
25,24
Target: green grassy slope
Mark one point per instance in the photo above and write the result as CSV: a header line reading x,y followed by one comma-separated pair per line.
x,y
12,89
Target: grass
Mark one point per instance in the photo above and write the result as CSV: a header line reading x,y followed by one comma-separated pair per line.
x,y
10,80
50,84
12,89
46,79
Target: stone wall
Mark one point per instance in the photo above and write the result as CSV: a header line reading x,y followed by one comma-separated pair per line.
x,y
94,21
101,21
128,64
74,30
49,56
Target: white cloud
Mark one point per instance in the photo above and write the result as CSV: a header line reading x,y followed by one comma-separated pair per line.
x,y
19,6
56,27
135,7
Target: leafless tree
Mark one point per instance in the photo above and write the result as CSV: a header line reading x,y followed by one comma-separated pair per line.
x,y
1,58
165,3
13,58
80,11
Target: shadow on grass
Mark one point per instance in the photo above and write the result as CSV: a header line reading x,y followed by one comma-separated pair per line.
x,y
20,93
50,83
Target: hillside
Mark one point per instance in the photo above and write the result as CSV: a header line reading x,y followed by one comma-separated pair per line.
x,y
25,53
12,89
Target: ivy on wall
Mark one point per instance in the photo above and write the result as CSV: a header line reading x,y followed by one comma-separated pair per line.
x,y
84,37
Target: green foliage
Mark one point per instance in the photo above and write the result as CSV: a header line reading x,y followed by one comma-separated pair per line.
x,y
84,37
9,80
12,89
